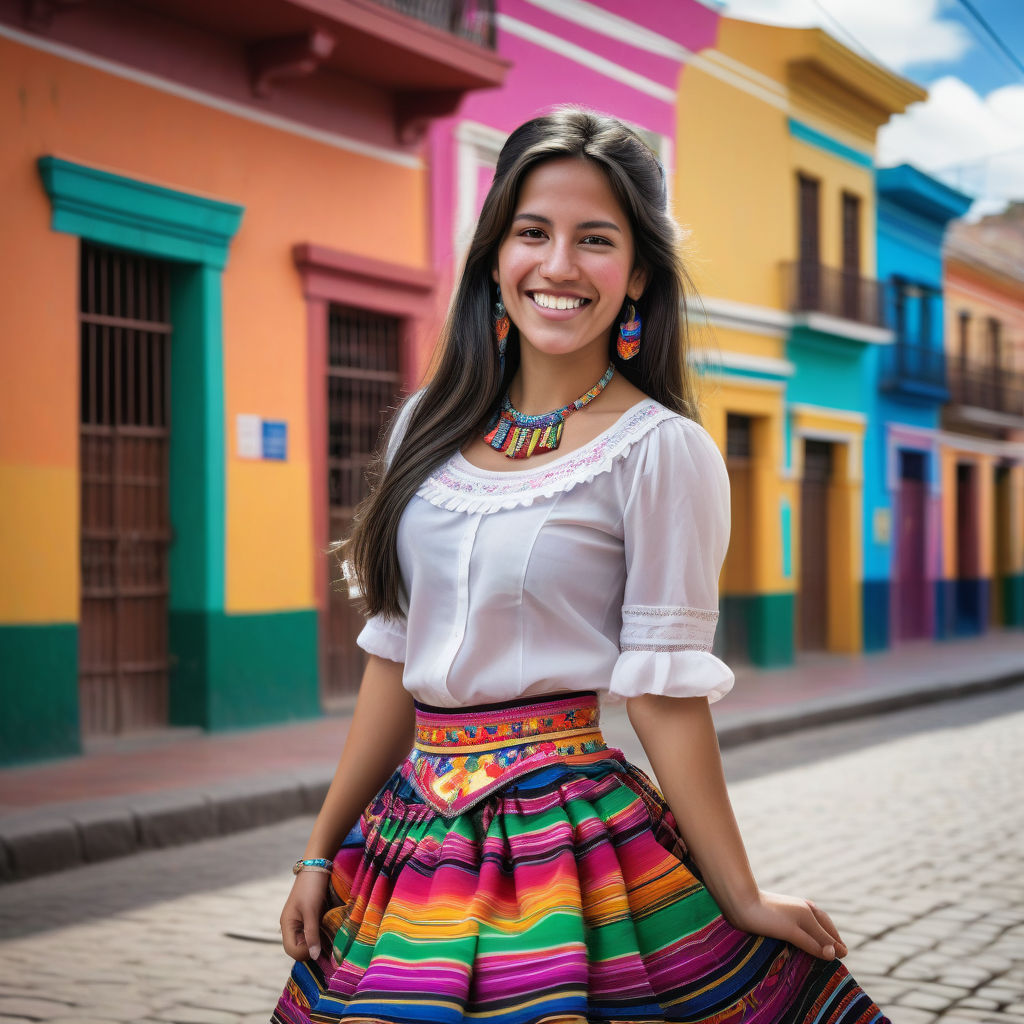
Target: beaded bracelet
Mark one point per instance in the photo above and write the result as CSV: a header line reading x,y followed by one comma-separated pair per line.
x,y
315,864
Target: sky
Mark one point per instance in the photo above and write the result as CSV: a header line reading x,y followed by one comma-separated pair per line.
x,y
969,133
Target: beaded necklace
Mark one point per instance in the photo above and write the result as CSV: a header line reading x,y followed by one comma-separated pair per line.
x,y
520,436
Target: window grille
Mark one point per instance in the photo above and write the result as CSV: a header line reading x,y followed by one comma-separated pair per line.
x,y
125,343
363,386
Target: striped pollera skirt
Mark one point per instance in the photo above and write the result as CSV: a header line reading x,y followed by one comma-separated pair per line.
x,y
516,870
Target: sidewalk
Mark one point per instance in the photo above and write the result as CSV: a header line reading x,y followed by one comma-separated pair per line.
x,y
181,786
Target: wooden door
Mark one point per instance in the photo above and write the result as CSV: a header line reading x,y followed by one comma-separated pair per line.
x,y
125,521
814,546
363,385
1003,529
808,241
850,299
967,549
911,593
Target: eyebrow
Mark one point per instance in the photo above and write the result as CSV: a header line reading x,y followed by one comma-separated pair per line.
x,y
587,225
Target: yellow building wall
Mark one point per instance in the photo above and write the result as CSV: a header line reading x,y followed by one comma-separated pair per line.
x,y
736,190
293,189
731,189
836,177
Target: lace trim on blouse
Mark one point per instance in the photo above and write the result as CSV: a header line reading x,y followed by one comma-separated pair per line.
x,y
461,487
667,628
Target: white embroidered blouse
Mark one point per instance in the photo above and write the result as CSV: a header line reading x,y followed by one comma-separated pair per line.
x,y
596,571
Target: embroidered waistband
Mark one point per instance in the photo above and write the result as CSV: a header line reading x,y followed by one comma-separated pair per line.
x,y
464,754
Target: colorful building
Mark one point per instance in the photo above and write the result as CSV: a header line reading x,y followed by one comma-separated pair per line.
x,y
781,207
622,58
982,440
218,262
902,525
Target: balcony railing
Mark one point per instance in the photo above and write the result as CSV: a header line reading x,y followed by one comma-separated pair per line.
x,y
814,288
919,369
468,19
984,386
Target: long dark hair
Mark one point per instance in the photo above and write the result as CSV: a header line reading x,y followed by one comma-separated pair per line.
x,y
466,382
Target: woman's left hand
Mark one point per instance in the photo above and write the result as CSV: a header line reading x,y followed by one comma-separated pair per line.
x,y
793,920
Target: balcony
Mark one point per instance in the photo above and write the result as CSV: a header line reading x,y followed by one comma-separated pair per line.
x,y
985,392
835,302
915,371
468,19
412,60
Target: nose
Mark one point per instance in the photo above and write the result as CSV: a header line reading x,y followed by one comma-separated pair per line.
x,y
560,262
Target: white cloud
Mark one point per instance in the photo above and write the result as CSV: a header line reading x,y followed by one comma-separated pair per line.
x,y
971,142
897,33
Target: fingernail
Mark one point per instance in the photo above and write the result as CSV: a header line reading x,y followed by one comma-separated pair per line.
x,y
314,952
829,952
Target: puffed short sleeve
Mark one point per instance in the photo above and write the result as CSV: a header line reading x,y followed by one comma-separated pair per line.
x,y
676,531
383,636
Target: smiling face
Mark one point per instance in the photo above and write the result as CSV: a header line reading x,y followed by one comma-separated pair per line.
x,y
566,263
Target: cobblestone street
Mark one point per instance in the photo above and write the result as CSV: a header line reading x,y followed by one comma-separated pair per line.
x,y
906,829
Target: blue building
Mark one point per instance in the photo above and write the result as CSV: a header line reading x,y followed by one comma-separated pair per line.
x,y
902,470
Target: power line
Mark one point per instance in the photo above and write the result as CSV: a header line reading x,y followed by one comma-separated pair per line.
x,y
843,30
992,34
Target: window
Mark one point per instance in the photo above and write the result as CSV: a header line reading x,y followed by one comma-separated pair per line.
x,y
737,436
363,384
809,274
851,257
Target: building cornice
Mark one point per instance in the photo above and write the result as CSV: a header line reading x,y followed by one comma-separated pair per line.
x,y
743,316
888,91
850,330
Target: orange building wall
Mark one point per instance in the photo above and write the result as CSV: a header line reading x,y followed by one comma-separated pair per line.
x,y
974,292
293,189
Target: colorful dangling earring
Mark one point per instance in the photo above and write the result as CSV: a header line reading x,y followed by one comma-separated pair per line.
x,y
629,333
501,325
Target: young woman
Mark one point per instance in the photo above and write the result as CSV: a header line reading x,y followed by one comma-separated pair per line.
x,y
549,525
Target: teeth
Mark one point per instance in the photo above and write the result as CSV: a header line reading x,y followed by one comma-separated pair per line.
x,y
557,301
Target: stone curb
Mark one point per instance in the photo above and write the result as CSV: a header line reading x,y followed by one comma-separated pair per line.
x,y
59,837
831,711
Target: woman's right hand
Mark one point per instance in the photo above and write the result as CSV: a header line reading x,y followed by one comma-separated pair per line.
x,y
794,920
300,919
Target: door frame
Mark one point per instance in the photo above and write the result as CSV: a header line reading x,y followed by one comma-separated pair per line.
x,y
845,429
194,233
332,276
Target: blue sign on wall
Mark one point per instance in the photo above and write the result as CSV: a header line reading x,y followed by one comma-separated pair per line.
x,y
275,440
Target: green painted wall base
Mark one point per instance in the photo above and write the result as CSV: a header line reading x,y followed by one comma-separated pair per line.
x,y
1013,600
758,628
234,671
38,692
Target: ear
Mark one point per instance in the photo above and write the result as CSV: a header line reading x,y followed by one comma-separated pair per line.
x,y
494,274
638,282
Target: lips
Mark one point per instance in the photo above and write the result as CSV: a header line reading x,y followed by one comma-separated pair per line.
x,y
546,300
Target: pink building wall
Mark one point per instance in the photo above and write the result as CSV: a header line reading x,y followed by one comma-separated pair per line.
x,y
618,56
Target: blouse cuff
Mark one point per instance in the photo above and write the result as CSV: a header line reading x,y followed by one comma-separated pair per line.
x,y
671,674
383,637
667,650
